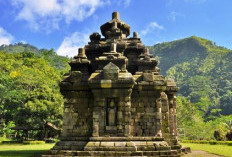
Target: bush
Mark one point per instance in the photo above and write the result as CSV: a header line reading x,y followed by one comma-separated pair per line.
x,y
229,135
212,142
33,142
10,142
51,140
3,139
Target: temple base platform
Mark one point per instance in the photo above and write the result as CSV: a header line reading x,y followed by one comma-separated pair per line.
x,y
115,146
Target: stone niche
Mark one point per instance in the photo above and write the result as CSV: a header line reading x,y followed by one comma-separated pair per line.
x,y
116,101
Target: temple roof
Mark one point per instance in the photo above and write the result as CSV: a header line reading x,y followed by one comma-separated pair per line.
x,y
115,28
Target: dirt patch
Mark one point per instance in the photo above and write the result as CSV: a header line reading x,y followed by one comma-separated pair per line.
x,y
200,153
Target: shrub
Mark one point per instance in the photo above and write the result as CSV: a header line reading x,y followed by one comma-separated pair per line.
x,y
10,142
51,140
33,142
212,142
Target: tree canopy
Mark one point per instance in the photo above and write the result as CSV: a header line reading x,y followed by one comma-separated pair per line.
x,y
29,91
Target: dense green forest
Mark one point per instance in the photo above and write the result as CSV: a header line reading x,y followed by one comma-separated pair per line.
x,y
202,71
29,91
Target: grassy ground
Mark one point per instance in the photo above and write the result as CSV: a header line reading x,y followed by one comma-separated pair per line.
x,y
224,150
20,150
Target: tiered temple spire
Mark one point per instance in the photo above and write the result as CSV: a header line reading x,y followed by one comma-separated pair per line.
x,y
117,102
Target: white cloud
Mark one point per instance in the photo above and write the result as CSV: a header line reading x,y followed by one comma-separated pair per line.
x,y
151,27
127,3
195,1
5,37
69,46
124,3
45,14
173,15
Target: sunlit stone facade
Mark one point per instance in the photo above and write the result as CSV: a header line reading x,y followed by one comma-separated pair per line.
x,y
116,101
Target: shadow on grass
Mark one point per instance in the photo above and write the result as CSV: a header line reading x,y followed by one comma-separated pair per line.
x,y
22,153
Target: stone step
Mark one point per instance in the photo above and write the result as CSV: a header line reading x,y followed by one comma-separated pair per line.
x,y
106,155
69,153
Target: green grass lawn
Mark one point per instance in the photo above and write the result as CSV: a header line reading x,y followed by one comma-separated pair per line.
x,y
20,150
215,149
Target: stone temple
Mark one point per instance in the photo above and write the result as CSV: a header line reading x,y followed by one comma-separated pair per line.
x,y
116,101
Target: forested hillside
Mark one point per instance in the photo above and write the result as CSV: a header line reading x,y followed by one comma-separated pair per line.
x,y
203,74
29,91
202,71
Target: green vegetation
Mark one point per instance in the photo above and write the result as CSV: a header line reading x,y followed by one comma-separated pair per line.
x,y
215,149
19,47
20,150
29,91
212,142
202,71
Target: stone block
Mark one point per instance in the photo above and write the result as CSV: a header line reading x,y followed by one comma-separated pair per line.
x,y
151,153
123,153
111,128
140,109
109,153
137,153
106,84
93,144
120,144
130,144
97,153
83,153
148,77
107,144
133,109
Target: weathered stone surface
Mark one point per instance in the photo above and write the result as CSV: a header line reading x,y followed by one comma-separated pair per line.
x,y
116,101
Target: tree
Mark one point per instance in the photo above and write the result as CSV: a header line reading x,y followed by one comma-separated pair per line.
x,y
29,91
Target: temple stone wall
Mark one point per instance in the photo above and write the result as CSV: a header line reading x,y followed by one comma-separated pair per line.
x,y
111,112
77,115
78,108
145,113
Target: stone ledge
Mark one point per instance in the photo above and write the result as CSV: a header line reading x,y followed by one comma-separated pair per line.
x,y
170,153
126,139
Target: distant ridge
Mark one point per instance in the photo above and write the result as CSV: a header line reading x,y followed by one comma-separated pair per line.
x,y
56,61
185,49
201,68
19,47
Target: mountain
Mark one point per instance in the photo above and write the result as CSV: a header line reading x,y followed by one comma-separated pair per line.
x,y
19,47
56,61
202,71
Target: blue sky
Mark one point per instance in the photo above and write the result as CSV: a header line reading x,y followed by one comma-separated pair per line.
x,y
65,25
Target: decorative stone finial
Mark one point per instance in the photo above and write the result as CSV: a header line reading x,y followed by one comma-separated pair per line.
x,y
95,37
115,15
81,52
146,51
135,35
115,29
